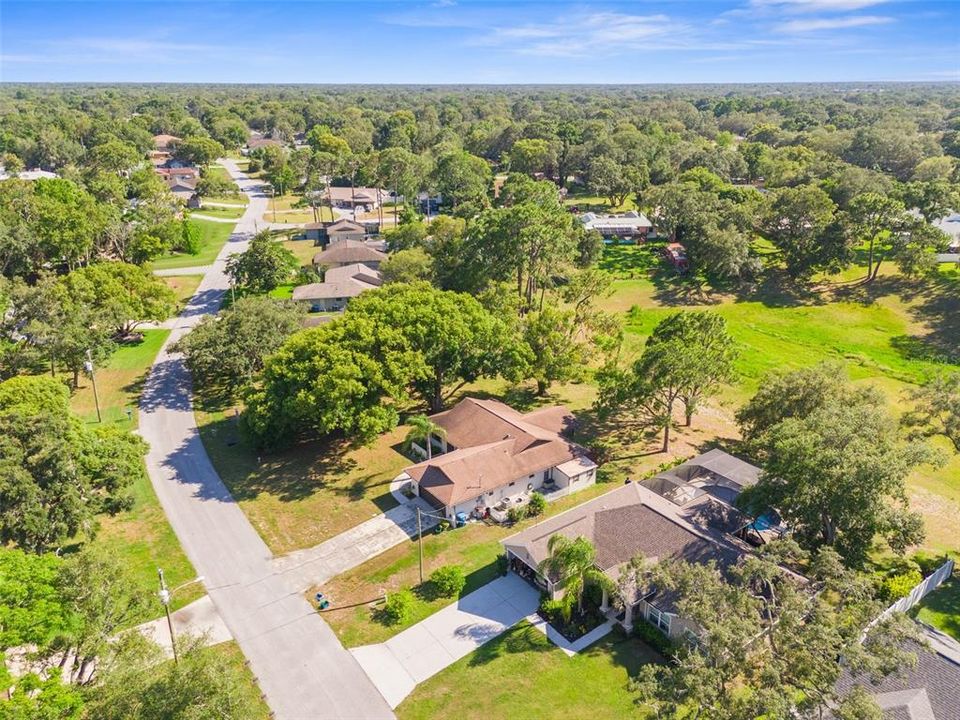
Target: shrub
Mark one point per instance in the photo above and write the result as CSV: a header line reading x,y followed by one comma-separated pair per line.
x,y
397,608
538,503
516,514
554,611
653,637
896,587
448,580
503,565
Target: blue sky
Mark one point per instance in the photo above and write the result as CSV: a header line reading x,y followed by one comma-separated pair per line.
x,y
474,41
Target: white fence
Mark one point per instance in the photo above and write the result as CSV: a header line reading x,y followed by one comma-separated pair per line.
x,y
929,584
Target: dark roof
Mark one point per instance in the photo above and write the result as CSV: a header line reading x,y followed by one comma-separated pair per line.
x,y
348,252
622,524
929,691
715,473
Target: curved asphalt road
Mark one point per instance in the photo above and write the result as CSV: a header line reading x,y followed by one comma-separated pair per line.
x,y
302,669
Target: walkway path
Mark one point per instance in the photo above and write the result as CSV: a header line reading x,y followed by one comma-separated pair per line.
x,y
302,669
211,218
199,618
314,566
398,665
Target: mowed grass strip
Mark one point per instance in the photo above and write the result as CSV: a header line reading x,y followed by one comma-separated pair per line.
x,y
213,236
119,382
141,536
227,213
522,675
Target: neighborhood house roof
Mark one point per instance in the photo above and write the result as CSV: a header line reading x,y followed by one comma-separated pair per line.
x,y
929,691
340,282
339,226
162,141
360,194
348,252
495,445
623,524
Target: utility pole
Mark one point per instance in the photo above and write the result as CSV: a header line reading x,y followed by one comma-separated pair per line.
x,y
88,366
165,599
420,541
165,596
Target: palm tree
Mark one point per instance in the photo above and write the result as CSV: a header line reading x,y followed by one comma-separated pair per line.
x,y
571,562
421,428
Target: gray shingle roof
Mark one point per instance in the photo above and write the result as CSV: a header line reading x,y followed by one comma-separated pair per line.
x,y
930,691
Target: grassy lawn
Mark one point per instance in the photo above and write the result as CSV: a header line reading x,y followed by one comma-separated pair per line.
x,y
941,608
119,381
522,675
304,495
227,213
303,249
304,215
141,536
357,593
586,202
217,171
213,236
184,286
144,540
238,199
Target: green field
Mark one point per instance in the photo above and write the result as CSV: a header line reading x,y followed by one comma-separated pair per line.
x,y
520,674
231,213
213,236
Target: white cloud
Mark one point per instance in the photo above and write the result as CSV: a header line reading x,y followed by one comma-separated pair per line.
x,y
584,34
836,23
817,5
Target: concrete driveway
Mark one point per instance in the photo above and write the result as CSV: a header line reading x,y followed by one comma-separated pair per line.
x,y
314,566
397,666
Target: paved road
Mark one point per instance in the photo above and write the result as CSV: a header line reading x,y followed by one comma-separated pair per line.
x,y
302,669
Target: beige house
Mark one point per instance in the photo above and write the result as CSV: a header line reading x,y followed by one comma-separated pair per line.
x,y
349,252
359,197
339,285
323,233
491,458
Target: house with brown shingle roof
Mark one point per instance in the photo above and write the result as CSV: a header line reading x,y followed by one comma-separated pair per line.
x,y
339,285
349,252
324,233
491,458
648,520
165,143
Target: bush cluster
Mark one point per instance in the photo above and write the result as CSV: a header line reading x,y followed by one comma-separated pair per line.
x,y
448,580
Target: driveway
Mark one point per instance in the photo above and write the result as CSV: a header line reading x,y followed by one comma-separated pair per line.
x,y
397,666
313,566
303,670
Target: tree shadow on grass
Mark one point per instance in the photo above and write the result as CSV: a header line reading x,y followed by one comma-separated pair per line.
x,y
933,302
521,638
